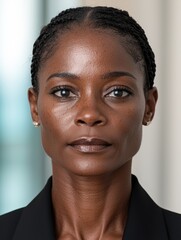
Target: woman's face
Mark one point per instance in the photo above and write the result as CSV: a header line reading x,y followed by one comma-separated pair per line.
x,y
91,103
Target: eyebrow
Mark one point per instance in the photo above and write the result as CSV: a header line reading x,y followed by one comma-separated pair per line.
x,y
117,74
66,75
109,75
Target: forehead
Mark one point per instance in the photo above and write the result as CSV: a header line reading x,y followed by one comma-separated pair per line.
x,y
89,37
81,48
101,35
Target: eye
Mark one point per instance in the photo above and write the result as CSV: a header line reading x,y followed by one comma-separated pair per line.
x,y
119,92
63,92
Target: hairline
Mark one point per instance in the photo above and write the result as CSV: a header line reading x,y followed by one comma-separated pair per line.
x,y
46,54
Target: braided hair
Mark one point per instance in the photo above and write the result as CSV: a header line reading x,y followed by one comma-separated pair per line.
x,y
134,38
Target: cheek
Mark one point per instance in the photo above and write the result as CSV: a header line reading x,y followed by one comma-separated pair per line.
x,y
54,125
129,130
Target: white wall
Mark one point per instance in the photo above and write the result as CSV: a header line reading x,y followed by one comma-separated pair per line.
x,y
158,164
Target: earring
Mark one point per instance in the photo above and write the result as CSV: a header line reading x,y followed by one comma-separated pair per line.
x,y
148,123
36,124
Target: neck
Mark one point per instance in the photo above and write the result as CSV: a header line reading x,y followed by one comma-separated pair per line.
x,y
95,205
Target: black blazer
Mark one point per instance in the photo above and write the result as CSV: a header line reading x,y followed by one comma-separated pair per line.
x,y
146,221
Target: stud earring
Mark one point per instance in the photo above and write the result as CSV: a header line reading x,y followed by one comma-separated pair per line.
x,y
36,124
148,123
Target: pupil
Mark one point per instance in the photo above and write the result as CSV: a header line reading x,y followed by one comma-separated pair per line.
x,y
65,93
118,93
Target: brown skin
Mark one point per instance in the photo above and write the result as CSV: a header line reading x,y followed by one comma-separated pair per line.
x,y
92,183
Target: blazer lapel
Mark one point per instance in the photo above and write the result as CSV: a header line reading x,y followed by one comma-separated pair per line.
x,y
37,220
145,219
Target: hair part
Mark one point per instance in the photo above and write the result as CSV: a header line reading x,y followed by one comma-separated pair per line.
x,y
133,37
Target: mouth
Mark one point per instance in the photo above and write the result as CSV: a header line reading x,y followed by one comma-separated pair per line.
x,y
89,145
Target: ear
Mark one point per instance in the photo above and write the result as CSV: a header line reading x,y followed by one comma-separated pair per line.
x,y
33,99
151,100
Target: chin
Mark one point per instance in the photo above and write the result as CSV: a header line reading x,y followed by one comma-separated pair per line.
x,y
89,166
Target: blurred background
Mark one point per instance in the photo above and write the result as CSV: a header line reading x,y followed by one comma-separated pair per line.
x,y
24,168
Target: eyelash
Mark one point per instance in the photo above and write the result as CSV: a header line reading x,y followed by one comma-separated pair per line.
x,y
70,91
122,89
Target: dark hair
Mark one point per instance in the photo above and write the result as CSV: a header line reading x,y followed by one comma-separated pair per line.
x,y
96,17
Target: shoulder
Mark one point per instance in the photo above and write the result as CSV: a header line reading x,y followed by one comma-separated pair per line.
x,y
8,223
148,220
173,223
34,221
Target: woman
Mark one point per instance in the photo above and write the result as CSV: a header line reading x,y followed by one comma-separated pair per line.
x,y
92,91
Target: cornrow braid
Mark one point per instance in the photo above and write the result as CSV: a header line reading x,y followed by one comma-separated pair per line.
x,y
44,43
134,38
124,25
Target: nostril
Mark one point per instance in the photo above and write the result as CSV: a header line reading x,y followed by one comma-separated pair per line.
x,y
81,122
89,122
98,122
93,118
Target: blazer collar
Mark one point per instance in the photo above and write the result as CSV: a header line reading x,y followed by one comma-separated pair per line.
x,y
145,219
37,220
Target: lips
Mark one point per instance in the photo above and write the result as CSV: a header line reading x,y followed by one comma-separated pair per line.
x,y
89,145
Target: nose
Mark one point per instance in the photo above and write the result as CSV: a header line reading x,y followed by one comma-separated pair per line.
x,y
90,114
